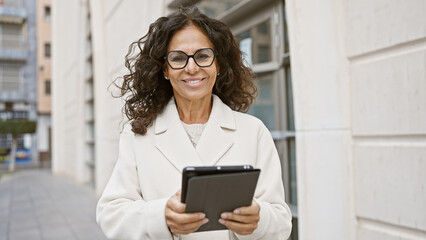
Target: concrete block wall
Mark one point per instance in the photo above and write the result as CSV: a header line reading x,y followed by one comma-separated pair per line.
x,y
359,73
322,117
386,47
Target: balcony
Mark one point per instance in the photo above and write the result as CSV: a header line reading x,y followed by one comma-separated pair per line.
x,y
15,13
12,3
13,47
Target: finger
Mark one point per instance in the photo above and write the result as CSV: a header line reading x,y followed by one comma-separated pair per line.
x,y
175,207
178,193
184,218
240,218
188,228
254,208
239,228
174,204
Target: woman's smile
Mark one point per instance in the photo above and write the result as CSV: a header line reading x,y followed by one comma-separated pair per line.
x,y
193,82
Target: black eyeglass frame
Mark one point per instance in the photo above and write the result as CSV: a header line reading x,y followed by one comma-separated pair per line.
x,y
190,56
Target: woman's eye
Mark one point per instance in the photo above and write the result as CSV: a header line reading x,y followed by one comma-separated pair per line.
x,y
203,56
178,59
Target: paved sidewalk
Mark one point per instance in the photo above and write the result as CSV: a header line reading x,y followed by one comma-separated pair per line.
x,y
35,205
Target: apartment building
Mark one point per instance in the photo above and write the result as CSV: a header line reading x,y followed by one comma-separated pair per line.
x,y
44,79
18,72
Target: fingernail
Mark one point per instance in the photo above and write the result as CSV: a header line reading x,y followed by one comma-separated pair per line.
x,y
237,211
221,221
224,215
202,216
205,220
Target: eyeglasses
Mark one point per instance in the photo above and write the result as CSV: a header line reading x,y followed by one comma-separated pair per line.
x,y
203,57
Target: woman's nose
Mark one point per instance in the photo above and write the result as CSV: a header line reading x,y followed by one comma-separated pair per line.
x,y
191,67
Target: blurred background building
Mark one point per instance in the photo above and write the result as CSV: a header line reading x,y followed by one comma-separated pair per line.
x,y
18,96
342,88
43,79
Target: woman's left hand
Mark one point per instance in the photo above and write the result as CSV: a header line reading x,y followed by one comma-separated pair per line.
x,y
242,220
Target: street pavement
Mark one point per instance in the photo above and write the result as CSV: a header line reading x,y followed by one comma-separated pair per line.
x,y
34,205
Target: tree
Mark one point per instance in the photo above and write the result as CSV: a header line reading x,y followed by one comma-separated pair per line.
x,y
16,127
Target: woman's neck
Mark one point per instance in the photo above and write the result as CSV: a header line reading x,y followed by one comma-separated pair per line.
x,y
192,112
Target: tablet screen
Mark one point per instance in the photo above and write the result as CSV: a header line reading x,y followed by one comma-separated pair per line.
x,y
189,172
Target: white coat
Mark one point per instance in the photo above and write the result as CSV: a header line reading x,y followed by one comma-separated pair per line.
x,y
149,171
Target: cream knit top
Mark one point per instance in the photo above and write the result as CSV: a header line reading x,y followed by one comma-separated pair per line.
x,y
194,131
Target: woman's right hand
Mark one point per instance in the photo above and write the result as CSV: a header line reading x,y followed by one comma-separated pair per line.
x,y
180,222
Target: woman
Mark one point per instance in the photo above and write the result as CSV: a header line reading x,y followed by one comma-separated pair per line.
x,y
183,96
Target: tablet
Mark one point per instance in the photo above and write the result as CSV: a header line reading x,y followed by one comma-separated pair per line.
x,y
217,193
189,172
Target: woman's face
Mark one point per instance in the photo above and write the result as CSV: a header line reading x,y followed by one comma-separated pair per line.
x,y
191,83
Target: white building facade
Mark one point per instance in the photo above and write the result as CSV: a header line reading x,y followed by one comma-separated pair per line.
x,y
342,89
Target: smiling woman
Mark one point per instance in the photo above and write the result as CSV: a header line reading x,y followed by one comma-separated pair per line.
x,y
185,93
148,92
194,77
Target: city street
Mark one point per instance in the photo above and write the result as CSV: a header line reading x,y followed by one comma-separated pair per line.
x,y
36,205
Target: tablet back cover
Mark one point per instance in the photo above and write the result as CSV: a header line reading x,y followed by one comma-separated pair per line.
x,y
218,193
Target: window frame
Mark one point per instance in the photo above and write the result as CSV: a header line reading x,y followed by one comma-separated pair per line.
x,y
47,50
20,81
47,9
12,41
47,87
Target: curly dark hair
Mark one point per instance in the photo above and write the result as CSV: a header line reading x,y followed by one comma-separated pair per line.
x,y
147,92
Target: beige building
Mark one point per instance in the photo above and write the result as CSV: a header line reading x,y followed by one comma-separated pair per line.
x,y
43,21
342,90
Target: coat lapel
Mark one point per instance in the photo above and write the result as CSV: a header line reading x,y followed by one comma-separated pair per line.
x,y
215,141
173,142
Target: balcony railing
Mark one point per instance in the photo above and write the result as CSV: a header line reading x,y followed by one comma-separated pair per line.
x,y
13,47
13,114
12,3
12,42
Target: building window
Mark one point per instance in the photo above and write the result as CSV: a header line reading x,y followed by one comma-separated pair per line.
x,y
256,43
211,8
47,89
9,106
9,113
47,13
10,77
264,105
6,144
47,50
11,36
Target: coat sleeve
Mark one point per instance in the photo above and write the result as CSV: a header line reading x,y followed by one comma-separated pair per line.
x,y
275,215
122,212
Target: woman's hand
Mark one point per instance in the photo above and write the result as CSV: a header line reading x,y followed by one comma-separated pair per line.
x,y
180,222
243,220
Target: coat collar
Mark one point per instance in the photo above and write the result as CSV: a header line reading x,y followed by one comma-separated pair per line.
x,y
172,140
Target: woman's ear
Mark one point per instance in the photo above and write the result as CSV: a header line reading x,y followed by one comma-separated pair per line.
x,y
217,67
165,72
